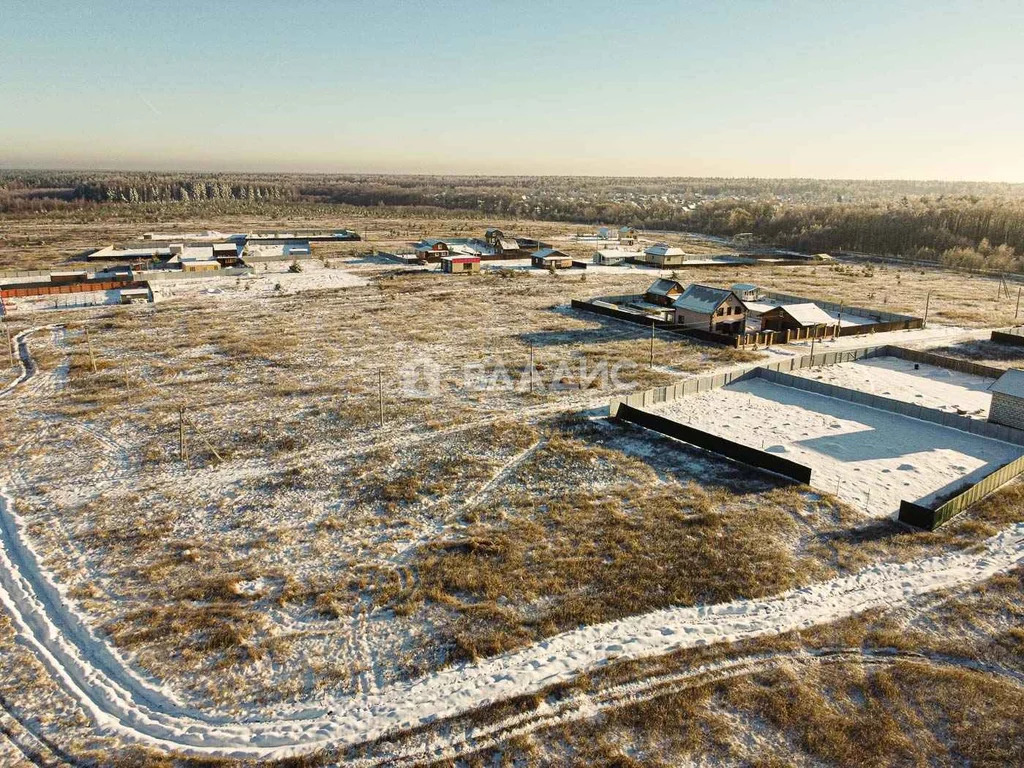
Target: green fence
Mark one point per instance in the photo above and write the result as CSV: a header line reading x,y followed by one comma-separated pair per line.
x,y
930,519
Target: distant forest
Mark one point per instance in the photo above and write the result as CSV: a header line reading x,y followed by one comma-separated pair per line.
x,y
970,224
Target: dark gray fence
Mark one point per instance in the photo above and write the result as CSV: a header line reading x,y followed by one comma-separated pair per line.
x,y
1012,336
720,445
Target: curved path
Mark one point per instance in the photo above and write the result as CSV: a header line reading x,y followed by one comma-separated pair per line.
x,y
124,702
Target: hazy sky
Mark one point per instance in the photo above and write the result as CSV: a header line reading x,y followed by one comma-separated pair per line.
x,y
912,89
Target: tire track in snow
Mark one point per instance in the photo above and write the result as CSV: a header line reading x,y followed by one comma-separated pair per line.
x,y
121,701
583,706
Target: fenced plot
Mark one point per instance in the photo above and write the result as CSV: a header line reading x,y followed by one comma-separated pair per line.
x,y
870,458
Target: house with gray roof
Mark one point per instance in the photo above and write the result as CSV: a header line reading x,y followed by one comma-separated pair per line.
x,y
705,307
1007,406
663,292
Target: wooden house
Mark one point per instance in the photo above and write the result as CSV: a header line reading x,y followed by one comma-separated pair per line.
x,y
549,258
627,235
705,307
460,264
663,292
430,249
493,235
664,255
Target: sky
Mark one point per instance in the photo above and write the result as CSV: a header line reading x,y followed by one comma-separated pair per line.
x,y
922,89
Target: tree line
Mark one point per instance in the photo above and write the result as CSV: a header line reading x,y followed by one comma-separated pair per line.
x,y
975,224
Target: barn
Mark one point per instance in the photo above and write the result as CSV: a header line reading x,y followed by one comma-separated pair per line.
x,y
705,307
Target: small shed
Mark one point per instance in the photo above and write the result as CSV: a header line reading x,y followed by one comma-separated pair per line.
x,y
1008,399
746,291
705,307
793,317
549,258
663,292
460,264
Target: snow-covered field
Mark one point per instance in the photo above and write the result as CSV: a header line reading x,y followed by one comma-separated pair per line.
x,y
241,607
870,458
270,278
922,384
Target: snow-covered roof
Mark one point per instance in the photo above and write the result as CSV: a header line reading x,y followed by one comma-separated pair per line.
x,y
808,314
549,253
663,249
664,286
702,299
197,253
508,245
1010,383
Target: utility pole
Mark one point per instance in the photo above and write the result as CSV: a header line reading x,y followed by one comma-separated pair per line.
x,y
652,344
531,367
10,346
927,303
1016,312
814,338
182,450
380,394
88,343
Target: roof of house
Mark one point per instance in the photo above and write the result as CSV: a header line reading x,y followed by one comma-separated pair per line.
x,y
663,249
664,286
460,258
808,314
626,229
226,247
702,299
549,253
508,245
1010,383
197,253
743,287
493,231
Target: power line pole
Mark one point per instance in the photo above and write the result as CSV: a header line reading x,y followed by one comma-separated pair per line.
x,y
531,367
88,343
652,344
927,303
380,394
1016,312
182,449
10,346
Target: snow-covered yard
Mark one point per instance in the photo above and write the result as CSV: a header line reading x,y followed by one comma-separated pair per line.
x,y
909,382
871,459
